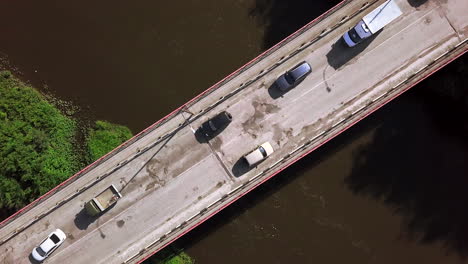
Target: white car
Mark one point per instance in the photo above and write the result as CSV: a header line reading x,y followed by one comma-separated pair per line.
x,y
48,245
259,154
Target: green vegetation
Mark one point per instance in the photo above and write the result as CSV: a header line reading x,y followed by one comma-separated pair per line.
x,y
36,147
39,149
170,255
181,258
104,137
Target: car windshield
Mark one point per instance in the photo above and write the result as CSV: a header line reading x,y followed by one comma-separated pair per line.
x,y
354,36
300,71
55,238
40,251
289,78
212,125
263,151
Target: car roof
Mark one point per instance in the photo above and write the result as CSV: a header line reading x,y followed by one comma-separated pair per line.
x,y
300,70
256,155
268,148
60,234
47,245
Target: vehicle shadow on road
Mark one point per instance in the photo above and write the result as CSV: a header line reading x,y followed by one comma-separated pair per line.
x,y
340,54
200,137
32,260
83,220
240,168
416,3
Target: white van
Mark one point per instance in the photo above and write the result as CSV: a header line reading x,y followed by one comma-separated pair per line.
x,y
258,154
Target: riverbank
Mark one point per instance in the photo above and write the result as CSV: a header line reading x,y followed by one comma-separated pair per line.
x,y
36,144
42,143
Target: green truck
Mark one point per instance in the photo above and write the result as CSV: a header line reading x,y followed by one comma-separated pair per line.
x,y
104,200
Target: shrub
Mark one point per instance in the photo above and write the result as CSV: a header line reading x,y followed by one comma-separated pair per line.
x,y
36,147
170,255
104,137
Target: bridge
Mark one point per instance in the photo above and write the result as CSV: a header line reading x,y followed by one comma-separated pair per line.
x,y
171,182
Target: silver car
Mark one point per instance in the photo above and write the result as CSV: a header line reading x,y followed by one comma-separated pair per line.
x,y
293,77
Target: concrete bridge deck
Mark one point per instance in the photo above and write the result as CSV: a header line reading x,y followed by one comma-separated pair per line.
x,y
171,182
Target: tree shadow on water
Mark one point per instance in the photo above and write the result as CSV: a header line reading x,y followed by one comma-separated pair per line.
x,y
283,17
417,164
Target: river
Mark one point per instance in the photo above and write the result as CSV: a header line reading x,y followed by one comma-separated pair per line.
x,y
392,189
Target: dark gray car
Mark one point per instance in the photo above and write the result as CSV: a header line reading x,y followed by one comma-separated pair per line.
x,y
294,76
215,125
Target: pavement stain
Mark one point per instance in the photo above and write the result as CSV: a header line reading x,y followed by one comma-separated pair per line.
x,y
152,167
216,143
120,223
46,225
277,133
427,21
150,185
261,108
123,181
309,128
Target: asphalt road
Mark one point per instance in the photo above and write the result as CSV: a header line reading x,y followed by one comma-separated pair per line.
x,y
180,176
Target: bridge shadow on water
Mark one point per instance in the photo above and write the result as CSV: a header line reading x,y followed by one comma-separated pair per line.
x,y
283,17
417,164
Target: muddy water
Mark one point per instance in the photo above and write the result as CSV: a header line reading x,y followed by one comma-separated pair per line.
x,y
130,62
389,190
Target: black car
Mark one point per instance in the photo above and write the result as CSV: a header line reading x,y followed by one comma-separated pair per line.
x,y
215,125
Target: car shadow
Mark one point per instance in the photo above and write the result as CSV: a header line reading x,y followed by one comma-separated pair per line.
x,y
83,220
340,54
200,136
32,260
240,167
275,92
416,3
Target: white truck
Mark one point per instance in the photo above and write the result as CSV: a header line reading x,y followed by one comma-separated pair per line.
x,y
372,22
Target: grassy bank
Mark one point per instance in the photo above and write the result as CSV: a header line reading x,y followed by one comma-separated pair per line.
x,y
36,146
170,255
40,148
104,137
